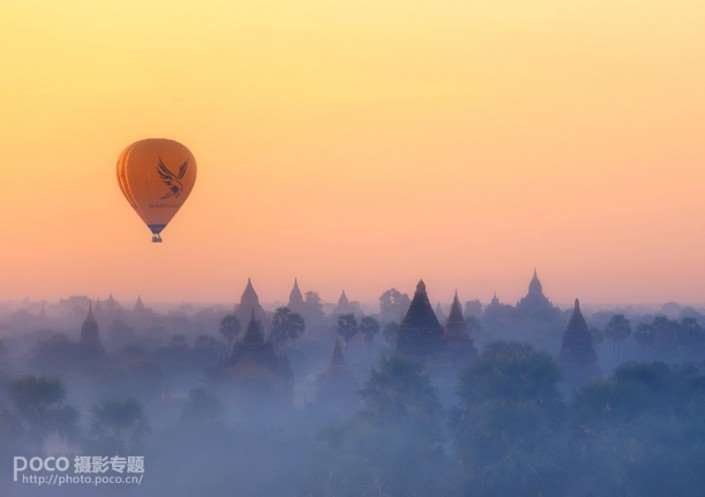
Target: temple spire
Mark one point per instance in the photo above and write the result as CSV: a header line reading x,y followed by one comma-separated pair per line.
x,y
254,334
577,347
249,303
420,332
250,290
535,286
295,296
90,332
456,311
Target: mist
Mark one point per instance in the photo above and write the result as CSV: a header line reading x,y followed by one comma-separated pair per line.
x,y
409,397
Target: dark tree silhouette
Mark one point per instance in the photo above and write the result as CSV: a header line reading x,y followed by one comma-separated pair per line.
x,y
510,408
393,305
287,326
119,424
398,427
347,326
39,401
618,328
230,328
399,388
369,327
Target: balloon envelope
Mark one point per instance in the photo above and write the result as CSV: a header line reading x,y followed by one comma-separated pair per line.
x,y
156,176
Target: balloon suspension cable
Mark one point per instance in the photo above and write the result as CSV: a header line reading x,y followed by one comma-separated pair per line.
x,y
157,238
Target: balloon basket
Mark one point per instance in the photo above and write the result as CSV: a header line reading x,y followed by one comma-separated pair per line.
x,y
156,239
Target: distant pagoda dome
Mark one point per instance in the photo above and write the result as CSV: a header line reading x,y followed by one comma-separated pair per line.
x,y
535,304
577,350
420,332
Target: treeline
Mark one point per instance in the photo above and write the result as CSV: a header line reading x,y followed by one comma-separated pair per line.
x,y
515,429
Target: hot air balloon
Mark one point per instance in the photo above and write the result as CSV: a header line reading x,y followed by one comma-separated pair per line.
x,y
156,176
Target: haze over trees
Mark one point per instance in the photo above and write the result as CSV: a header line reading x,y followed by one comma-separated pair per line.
x,y
321,398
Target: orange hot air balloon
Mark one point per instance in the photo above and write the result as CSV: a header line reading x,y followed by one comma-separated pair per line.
x,y
156,176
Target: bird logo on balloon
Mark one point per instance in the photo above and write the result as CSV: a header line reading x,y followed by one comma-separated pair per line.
x,y
172,180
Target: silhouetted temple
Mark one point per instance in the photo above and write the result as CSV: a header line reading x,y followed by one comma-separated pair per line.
x,y
456,327
90,333
577,352
249,305
296,299
497,311
345,306
313,311
256,366
535,304
139,305
420,332
457,331
337,383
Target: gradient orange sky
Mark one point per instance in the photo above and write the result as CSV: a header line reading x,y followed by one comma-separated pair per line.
x,y
359,145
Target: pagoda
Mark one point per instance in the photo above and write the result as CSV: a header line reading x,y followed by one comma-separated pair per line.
x,y
336,385
457,334
296,299
456,327
535,304
420,332
256,367
90,333
249,305
577,352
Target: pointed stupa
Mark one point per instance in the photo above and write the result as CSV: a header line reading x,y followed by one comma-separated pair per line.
x,y
420,313
342,307
249,304
535,286
256,369
577,348
296,299
254,334
139,305
420,331
90,332
249,294
456,328
337,390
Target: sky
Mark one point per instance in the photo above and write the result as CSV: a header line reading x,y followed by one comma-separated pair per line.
x,y
359,145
